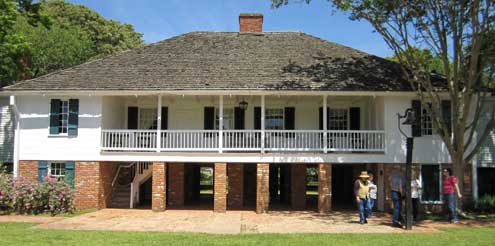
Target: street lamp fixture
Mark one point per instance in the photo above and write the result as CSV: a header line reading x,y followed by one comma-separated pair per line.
x,y
410,119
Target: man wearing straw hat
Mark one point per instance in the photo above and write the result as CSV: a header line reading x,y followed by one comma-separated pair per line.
x,y
361,191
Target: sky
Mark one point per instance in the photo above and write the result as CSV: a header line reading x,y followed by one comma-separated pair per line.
x,y
161,19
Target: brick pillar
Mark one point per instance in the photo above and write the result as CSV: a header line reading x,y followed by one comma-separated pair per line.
x,y
262,187
87,184
176,184
298,186
220,188
235,196
324,187
159,187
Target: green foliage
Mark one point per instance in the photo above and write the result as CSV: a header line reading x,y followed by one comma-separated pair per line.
x,y
39,37
428,62
54,48
108,36
486,204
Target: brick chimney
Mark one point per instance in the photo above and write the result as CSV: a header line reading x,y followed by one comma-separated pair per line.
x,y
250,22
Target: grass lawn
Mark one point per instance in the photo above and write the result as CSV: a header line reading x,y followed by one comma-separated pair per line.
x,y
21,234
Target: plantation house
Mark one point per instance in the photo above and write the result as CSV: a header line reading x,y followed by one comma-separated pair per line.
x,y
279,120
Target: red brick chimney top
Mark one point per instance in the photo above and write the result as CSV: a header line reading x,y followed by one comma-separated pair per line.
x,y
250,22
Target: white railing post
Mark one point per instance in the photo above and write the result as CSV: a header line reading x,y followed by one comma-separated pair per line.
x,y
262,123
159,124
131,205
325,119
220,125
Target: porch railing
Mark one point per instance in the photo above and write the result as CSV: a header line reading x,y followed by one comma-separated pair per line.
x,y
244,140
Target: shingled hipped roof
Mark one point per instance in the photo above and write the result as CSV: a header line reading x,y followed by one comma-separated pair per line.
x,y
289,61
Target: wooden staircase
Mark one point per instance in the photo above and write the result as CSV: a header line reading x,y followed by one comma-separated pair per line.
x,y
126,184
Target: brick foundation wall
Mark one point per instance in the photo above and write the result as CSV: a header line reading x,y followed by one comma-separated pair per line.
x,y
87,183
298,186
235,173
175,184
29,170
107,172
220,187
262,187
324,187
159,186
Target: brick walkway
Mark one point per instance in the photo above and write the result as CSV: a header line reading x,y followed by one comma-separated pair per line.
x,y
231,222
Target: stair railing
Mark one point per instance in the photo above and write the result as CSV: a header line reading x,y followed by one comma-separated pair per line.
x,y
118,172
139,169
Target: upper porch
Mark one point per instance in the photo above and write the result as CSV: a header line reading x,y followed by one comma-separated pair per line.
x,y
250,123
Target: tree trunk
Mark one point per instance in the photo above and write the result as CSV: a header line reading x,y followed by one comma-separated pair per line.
x,y
458,167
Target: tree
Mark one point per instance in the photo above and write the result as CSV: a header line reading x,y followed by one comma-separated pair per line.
x,y
426,60
458,32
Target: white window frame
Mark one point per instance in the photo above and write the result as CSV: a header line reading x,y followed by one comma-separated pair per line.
x,y
140,113
228,118
330,120
439,183
427,128
271,112
51,168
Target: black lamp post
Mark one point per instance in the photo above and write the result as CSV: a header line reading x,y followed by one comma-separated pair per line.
x,y
410,117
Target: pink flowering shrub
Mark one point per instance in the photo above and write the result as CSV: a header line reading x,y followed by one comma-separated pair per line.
x,y
24,197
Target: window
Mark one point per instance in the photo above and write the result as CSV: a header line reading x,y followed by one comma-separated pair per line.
x,y
274,119
57,170
426,122
228,118
63,117
431,183
147,118
337,119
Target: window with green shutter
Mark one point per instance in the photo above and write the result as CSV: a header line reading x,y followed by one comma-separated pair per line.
x,y
57,170
64,117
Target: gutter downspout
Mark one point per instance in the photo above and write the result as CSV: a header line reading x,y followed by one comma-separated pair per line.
x,y
16,136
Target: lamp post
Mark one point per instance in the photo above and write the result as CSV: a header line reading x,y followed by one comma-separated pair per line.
x,y
410,117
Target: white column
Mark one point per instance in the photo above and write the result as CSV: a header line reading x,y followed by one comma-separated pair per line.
x,y
325,118
263,124
159,124
220,125
17,121
474,177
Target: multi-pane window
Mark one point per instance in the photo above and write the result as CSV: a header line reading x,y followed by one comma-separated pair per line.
x,y
57,170
426,122
147,118
228,118
63,117
274,119
338,119
431,183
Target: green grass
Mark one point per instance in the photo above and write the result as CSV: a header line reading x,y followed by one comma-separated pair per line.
x,y
22,234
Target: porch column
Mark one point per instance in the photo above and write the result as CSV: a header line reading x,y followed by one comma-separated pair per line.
x,y
159,124
262,187
176,184
325,119
220,125
159,187
220,187
324,187
262,123
298,186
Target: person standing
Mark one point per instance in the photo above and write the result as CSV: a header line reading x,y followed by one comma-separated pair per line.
x,y
450,189
397,183
372,194
415,191
361,191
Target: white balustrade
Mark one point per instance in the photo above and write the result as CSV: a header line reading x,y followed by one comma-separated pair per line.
x,y
244,140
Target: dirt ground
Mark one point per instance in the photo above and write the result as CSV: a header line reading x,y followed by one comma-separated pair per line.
x,y
231,222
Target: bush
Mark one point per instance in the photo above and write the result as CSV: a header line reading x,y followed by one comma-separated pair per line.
x,y
25,197
486,204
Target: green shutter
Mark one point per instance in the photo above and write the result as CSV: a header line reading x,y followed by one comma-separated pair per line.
x,y
73,116
42,170
69,173
54,116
